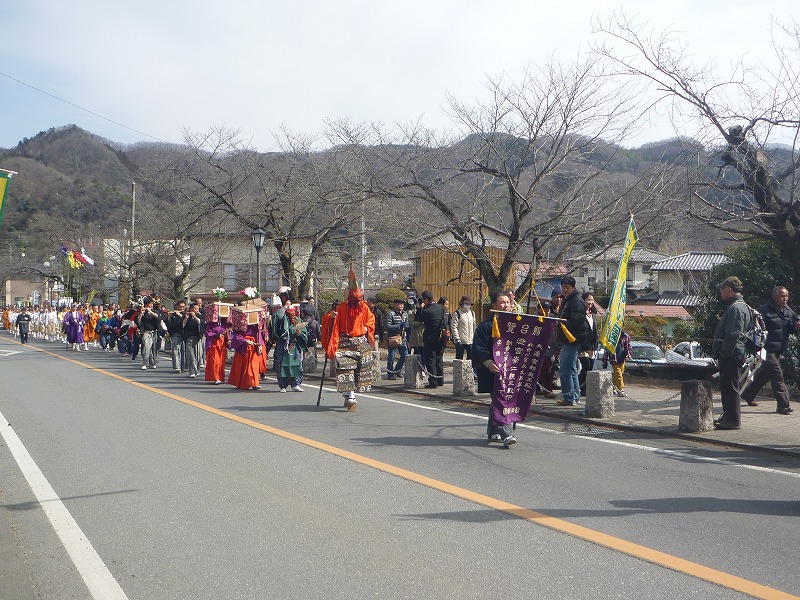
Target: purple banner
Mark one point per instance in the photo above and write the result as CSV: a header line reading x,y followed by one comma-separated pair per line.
x,y
519,352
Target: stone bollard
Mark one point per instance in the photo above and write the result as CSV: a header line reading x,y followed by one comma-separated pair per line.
x,y
376,365
463,378
413,373
599,396
696,407
310,361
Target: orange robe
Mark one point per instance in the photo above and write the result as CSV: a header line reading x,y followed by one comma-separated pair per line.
x,y
353,322
216,354
244,370
89,333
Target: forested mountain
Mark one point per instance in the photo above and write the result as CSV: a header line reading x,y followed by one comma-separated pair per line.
x,y
73,185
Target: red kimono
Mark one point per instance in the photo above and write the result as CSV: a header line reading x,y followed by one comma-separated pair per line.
x,y
244,371
216,352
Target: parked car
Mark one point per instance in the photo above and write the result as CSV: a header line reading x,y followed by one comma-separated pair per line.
x,y
646,353
691,351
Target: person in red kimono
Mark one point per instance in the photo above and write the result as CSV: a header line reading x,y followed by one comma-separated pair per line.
x,y
217,336
246,360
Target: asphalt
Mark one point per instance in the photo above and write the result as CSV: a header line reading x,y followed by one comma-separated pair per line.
x,y
651,407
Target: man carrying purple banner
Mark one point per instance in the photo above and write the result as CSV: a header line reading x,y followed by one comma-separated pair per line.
x,y
508,352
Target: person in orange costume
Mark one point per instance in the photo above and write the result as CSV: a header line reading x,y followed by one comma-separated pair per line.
x,y
351,343
216,350
244,370
89,333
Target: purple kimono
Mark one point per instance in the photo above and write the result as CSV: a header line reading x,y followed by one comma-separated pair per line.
x,y
74,322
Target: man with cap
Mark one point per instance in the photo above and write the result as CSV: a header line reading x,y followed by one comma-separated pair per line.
x,y
351,343
729,350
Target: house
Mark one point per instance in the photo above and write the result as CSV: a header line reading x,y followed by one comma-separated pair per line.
x,y
681,278
596,271
442,268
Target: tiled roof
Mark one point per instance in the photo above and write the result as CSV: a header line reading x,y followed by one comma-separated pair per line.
x,y
613,254
678,299
691,261
649,310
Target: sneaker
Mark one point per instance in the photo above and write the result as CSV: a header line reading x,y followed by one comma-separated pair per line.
x,y
496,438
283,390
217,382
297,388
144,367
177,370
192,376
152,366
509,441
565,403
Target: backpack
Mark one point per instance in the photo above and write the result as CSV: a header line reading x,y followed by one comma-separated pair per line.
x,y
755,338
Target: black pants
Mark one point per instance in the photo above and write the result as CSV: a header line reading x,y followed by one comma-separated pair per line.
x,y
769,370
433,359
730,374
461,349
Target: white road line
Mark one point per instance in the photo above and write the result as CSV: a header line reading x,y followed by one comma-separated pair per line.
x,y
654,450
99,580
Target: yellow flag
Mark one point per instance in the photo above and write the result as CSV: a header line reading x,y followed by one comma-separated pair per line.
x,y
4,178
612,328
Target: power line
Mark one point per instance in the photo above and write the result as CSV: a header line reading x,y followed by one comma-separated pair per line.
x,y
33,87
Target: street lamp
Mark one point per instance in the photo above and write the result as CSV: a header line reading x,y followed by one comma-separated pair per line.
x,y
259,237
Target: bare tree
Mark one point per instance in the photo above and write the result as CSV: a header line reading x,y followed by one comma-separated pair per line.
x,y
298,195
533,161
741,113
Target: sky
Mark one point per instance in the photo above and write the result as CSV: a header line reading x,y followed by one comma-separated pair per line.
x,y
152,69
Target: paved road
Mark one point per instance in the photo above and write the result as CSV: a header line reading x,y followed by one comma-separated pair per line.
x,y
189,490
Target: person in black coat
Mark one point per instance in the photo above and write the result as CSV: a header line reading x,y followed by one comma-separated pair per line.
x,y
586,356
432,316
24,324
573,311
781,321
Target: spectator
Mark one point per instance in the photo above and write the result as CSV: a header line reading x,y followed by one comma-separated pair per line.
x,y
573,311
462,328
379,319
780,321
515,306
729,350
589,346
396,326
432,316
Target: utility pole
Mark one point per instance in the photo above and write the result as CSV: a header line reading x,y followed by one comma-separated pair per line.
x,y
133,228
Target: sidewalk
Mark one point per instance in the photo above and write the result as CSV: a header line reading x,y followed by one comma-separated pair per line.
x,y
651,409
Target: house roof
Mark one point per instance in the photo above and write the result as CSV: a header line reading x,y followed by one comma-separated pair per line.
x,y
445,231
678,299
691,261
614,253
650,310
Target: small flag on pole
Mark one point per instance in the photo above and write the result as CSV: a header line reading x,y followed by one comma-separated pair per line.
x,y
612,328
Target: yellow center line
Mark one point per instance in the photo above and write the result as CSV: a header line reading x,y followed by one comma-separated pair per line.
x,y
650,555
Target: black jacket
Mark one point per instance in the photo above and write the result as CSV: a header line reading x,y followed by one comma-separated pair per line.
x,y
573,310
780,324
433,318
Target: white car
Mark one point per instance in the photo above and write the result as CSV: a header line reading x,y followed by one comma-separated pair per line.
x,y
689,351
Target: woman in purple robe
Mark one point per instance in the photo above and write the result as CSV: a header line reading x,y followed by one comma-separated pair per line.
x,y
74,322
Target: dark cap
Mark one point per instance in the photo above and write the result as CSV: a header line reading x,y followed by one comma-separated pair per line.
x,y
732,282
556,292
